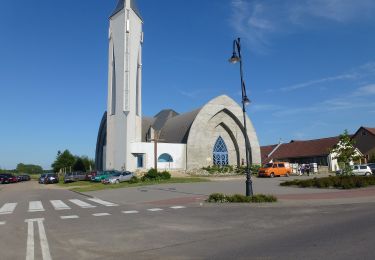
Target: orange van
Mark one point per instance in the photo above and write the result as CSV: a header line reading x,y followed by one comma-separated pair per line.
x,y
275,169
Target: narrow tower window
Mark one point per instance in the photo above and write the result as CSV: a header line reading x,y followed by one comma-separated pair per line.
x,y
113,89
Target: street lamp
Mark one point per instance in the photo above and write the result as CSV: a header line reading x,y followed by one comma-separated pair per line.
x,y
245,101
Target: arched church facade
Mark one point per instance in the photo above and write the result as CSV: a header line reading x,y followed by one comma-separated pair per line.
x,y
212,134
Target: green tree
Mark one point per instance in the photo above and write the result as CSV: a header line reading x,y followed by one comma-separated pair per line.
x,y
345,152
79,165
29,168
89,163
63,160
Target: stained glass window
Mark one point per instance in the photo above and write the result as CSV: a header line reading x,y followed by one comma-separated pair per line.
x,y
220,152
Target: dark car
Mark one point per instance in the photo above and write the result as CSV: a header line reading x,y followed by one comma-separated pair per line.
x,y
51,178
41,178
90,175
372,167
4,179
11,178
23,177
74,176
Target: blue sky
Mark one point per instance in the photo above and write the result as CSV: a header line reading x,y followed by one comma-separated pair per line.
x,y
309,68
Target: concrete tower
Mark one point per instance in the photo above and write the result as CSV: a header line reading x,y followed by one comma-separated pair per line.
x,y
124,121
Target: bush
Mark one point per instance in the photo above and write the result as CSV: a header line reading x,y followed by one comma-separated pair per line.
x,y
239,198
152,174
134,179
339,182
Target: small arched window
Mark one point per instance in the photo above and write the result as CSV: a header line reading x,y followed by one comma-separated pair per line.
x,y
165,157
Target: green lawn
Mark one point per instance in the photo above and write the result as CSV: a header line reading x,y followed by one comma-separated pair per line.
x,y
84,186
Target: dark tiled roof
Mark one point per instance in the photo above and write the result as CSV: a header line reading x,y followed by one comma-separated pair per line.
x,y
370,129
310,148
146,124
300,149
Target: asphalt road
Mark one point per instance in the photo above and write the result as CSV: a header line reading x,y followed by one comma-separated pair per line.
x,y
77,227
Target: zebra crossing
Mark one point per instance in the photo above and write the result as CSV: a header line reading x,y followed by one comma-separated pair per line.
x,y
70,204
37,206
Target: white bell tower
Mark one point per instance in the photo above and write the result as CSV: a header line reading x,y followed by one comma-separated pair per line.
x,y
124,110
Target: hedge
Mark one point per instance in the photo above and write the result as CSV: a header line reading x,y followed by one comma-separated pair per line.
x,y
339,182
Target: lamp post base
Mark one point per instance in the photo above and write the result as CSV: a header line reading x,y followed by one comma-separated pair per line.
x,y
249,185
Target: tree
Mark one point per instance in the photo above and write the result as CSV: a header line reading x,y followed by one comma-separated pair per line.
x,y
345,152
63,160
89,163
29,168
78,165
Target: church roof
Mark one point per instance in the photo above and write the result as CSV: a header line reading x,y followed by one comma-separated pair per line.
x,y
176,129
173,127
121,5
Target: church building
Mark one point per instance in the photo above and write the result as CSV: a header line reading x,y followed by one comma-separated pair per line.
x,y
210,135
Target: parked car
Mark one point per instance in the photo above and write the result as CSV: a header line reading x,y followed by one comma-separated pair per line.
x,y
361,170
74,176
10,178
23,177
275,169
51,178
41,178
90,175
372,167
4,179
102,176
118,177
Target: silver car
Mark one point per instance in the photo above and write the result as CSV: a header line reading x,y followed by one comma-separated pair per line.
x,y
118,177
361,170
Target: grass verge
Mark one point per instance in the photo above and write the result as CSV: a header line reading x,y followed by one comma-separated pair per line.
x,y
239,198
85,186
338,182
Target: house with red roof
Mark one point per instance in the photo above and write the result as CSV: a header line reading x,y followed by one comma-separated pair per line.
x,y
319,150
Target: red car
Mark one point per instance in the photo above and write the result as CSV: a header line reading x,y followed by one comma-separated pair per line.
x,y
10,178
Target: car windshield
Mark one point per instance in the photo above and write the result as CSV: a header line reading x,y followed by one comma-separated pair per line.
x,y
116,174
42,175
267,165
68,174
51,175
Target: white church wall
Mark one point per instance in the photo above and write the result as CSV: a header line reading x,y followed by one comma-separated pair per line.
x,y
177,151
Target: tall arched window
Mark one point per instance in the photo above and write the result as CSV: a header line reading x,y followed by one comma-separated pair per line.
x,y
220,152
165,158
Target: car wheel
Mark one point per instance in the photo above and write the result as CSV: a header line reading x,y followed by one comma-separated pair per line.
x,y
272,175
117,181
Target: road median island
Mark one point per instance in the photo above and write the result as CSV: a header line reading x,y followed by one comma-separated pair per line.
x,y
239,198
336,182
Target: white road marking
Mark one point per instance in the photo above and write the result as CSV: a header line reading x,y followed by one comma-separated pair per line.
x,y
30,240
35,206
155,209
100,214
69,217
178,207
82,204
103,202
59,205
42,237
2,223
7,208
130,212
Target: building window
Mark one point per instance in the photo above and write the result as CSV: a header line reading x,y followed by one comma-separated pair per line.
x,y
165,158
220,153
140,161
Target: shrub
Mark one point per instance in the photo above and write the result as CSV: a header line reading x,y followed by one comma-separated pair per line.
x,y
134,179
152,174
239,198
